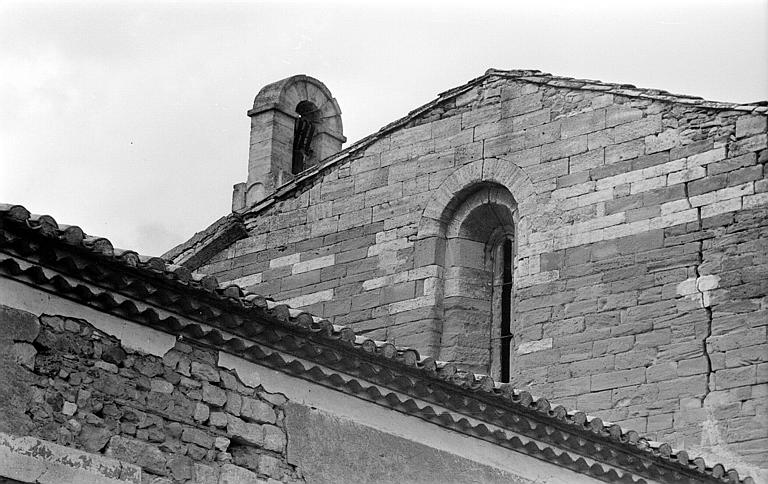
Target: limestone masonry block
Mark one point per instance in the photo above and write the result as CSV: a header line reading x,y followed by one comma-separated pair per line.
x,y
213,395
749,125
248,433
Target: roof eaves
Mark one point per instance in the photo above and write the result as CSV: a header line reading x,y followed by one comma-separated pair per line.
x,y
205,244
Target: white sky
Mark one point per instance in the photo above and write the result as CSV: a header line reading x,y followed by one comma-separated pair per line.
x,y
128,119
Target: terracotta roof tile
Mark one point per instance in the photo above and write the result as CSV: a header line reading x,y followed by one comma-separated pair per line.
x,y
232,309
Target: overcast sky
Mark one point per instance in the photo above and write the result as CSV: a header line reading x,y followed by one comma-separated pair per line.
x,y
129,118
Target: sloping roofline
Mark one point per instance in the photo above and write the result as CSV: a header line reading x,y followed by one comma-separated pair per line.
x,y
36,250
530,76
208,242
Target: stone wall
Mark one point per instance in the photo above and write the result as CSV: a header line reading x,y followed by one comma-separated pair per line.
x,y
640,259
179,417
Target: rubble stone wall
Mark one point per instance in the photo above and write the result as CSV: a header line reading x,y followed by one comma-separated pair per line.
x,y
179,417
640,251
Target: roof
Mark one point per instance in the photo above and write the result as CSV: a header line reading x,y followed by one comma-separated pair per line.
x,y
521,75
206,243
36,250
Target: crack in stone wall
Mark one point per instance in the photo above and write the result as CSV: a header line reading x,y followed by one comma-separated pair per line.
x,y
704,301
708,311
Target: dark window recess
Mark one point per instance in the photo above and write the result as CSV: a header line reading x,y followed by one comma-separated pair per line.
x,y
303,132
506,309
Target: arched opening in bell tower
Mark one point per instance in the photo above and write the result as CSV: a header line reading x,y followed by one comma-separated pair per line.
x,y
303,135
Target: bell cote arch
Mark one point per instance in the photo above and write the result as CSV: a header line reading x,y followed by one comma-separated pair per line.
x,y
295,123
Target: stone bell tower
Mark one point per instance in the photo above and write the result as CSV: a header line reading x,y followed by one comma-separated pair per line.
x,y
295,123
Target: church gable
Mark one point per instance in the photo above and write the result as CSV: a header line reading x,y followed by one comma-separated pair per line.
x,y
581,239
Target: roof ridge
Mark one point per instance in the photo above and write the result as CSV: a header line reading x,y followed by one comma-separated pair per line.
x,y
629,90
46,226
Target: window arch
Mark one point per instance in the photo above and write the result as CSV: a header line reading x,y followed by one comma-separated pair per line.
x,y
502,184
478,279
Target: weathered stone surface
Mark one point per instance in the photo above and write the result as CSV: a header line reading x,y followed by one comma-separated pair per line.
x,y
202,412
221,443
24,354
270,466
617,379
93,438
161,386
232,474
182,468
247,457
257,411
69,408
17,325
113,354
214,395
750,125
205,372
206,473
234,403
174,430
28,459
95,404
274,438
149,367
276,399
198,437
218,419
140,453
241,431
327,449
110,367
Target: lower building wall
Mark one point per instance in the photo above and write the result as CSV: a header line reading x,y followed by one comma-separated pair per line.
x,y
176,416
330,449
101,388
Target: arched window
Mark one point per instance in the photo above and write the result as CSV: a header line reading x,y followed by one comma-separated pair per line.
x,y
303,134
478,291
